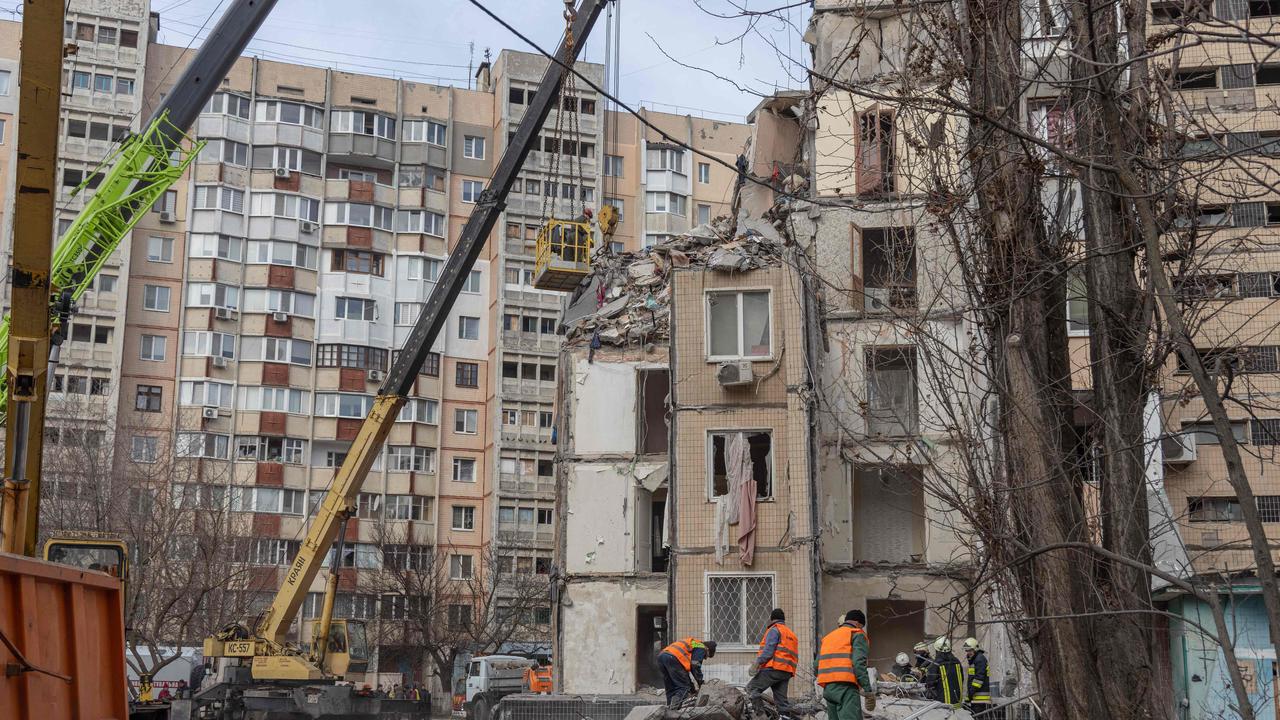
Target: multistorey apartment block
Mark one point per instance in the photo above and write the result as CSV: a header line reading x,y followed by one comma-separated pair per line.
x,y
235,342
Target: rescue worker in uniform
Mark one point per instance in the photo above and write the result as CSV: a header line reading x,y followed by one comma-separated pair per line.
x,y
776,663
922,660
979,677
944,681
902,666
681,664
842,668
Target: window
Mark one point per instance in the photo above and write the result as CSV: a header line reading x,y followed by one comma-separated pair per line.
x,y
153,347
360,215
148,398
888,268
544,516
464,517
407,313
228,104
296,206
274,449
651,410
436,133
473,147
274,399
202,445
207,393
218,295
155,297
465,422
81,80
103,83
432,365
1077,303
666,202
704,214
1214,509
1204,433
168,203
875,156
279,252
738,325
891,391
404,458
408,507
106,35
468,327
4,82
459,617
124,86
1268,75
665,159
142,448
613,166
419,268
1043,18
226,151
273,349
737,607
617,204
160,249
357,261
466,374
464,469
292,114
756,445
346,308
471,190
363,123
460,569
201,245
704,173
217,197
351,356
1196,79
347,405
420,410
472,285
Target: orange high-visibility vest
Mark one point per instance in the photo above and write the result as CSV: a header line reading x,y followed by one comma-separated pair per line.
x,y
682,650
538,679
835,658
787,653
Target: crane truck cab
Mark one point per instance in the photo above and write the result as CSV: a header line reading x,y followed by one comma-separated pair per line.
x,y
491,678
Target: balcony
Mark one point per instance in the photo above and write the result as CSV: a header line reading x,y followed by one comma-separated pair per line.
x,y
531,342
535,390
529,439
528,485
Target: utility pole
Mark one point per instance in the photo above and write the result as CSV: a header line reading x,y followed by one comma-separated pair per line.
x,y
39,105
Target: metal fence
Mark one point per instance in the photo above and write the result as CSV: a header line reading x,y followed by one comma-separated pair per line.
x,y
571,707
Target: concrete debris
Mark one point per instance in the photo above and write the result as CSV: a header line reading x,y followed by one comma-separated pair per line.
x,y
626,298
647,712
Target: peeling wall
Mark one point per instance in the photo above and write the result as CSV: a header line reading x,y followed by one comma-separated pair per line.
x,y
598,643
604,413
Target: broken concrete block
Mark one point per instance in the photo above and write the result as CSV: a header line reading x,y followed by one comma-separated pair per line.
x,y
715,693
643,269
728,261
647,712
615,307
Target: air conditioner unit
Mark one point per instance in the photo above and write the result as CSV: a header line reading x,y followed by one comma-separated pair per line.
x,y
167,216
376,375
280,317
210,413
219,361
283,172
307,226
222,313
1179,448
734,373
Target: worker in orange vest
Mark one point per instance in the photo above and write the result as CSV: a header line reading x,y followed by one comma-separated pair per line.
x,y
842,668
776,663
681,664
538,679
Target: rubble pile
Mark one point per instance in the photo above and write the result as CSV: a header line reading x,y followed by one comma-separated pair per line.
x,y
626,298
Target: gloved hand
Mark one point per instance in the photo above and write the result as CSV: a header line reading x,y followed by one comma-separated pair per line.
x,y
869,701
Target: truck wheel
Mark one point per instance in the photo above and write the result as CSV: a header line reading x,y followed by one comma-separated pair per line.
x,y
480,709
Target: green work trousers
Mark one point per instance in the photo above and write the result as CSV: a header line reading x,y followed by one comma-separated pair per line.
x,y
844,702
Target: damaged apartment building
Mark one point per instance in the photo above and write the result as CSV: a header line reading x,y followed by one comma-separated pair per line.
x,y
746,417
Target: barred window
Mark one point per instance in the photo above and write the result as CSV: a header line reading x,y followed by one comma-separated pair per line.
x,y
1265,431
738,607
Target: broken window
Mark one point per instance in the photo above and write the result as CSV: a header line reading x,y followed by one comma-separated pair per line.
x,y
1214,509
891,391
759,448
739,607
738,324
651,409
889,267
875,152
888,514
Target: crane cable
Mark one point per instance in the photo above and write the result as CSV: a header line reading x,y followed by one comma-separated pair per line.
x,y
567,94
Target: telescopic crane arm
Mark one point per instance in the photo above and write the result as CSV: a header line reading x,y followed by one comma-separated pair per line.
x,y
341,498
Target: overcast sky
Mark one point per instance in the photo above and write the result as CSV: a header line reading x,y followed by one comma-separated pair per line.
x,y
427,40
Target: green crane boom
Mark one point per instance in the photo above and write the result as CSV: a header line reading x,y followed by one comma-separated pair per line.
x,y
142,169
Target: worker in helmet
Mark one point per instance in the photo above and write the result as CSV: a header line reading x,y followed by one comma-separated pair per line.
x,y
901,666
922,660
775,664
979,677
944,680
681,664
569,242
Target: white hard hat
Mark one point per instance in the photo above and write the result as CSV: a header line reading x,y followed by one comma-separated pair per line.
x,y
971,644
942,644
921,647
903,659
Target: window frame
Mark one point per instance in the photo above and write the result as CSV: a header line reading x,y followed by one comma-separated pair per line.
x,y
710,459
706,329
706,607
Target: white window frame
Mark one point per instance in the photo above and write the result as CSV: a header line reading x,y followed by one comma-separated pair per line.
x,y
462,414
165,249
470,143
704,173
468,519
163,341
151,295
455,466
706,326
706,606
472,189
